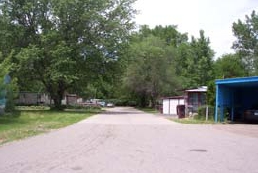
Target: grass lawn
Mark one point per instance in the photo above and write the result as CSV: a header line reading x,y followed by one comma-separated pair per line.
x,y
149,110
28,122
193,121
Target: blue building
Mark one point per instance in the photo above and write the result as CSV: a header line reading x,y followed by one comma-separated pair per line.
x,y
235,97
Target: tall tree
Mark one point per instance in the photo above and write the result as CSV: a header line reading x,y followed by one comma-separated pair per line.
x,y
169,34
150,73
229,66
63,44
246,44
194,62
203,59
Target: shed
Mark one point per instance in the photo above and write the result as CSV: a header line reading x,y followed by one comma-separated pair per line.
x,y
195,98
170,104
234,96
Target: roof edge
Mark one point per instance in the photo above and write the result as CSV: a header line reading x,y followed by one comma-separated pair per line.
x,y
173,97
237,80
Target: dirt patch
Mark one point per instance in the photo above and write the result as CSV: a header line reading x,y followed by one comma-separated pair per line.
x,y
239,129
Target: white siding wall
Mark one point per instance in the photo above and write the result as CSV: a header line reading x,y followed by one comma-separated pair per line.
x,y
181,101
169,105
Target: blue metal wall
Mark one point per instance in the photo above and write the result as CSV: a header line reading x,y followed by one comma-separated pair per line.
x,y
224,100
236,95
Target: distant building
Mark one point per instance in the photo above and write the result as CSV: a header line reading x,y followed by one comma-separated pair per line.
x,y
170,104
32,98
192,100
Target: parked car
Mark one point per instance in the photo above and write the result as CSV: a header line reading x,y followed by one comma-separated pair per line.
x,y
101,103
251,115
110,105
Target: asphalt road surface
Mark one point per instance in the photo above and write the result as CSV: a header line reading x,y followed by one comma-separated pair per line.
x,y
125,140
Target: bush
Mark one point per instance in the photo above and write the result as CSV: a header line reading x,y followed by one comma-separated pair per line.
x,y
77,106
11,94
121,102
202,113
32,107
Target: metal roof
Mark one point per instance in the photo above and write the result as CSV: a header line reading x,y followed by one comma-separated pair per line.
x,y
201,89
173,97
239,82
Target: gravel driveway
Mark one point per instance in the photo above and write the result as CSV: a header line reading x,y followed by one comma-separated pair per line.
x,y
125,140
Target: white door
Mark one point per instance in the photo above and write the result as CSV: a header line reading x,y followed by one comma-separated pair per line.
x,y
173,105
166,106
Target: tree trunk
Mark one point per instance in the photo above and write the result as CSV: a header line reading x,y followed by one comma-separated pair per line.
x,y
153,102
143,100
57,95
57,102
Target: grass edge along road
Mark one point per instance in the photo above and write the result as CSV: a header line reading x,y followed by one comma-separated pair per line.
x,y
192,121
32,121
187,120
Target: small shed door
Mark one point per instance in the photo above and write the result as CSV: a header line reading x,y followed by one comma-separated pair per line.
x,y
173,105
166,106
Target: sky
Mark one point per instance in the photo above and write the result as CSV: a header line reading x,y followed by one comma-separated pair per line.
x,y
215,17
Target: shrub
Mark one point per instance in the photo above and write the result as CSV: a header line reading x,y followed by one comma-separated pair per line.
x,y
121,102
11,94
77,106
202,113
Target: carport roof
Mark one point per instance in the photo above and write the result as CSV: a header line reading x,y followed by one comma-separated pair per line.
x,y
239,82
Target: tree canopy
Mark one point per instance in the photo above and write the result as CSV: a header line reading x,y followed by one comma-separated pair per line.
x,y
62,44
246,44
229,66
162,61
150,72
91,48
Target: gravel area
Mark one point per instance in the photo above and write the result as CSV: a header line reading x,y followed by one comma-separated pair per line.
x,y
125,140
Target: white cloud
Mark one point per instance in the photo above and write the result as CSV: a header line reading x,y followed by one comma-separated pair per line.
x,y
214,17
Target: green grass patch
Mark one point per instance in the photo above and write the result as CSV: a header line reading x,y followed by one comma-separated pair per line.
x,y
24,123
149,110
193,121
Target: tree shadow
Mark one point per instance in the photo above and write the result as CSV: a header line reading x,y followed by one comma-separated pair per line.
x,y
10,118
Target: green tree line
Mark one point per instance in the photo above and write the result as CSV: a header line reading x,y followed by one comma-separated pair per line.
x,y
93,49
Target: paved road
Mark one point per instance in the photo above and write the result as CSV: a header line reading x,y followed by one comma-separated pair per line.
x,y
125,140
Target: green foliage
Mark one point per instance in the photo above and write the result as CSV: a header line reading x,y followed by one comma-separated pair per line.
x,y
121,102
150,73
161,62
149,110
11,95
169,34
87,108
229,66
200,64
246,33
65,45
8,90
211,93
202,113
193,121
194,62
